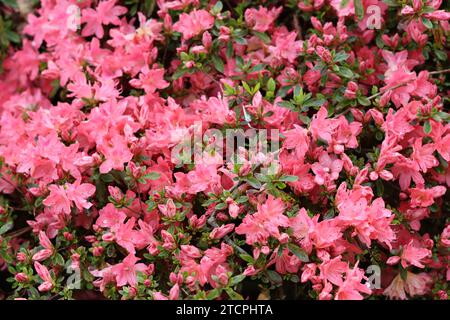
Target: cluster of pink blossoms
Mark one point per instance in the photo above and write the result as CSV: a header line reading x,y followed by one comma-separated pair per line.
x,y
100,94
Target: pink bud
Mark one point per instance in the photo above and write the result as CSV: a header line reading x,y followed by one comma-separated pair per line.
x,y
115,193
21,257
207,40
68,236
147,282
174,292
393,260
442,295
21,277
97,251
109,237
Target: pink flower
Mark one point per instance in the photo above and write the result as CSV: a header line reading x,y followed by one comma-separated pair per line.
x,y
405,170
110,216
61,197
258,227
194,23
396,290
333,270
150,80
116,153
441,139
48,248
327,169
286,262
412,255
106,13
286,47
352,287
414,285
221,231
324,54
343,8
21,277
125,236
423,155
169,209
125,272
421,197
350,91
321,127
325,233
261,19
298,140
44,274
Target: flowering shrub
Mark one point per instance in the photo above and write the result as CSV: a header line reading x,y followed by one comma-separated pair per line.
x,y
107,190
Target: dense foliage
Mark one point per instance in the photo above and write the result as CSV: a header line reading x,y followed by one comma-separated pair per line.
x,y
97,98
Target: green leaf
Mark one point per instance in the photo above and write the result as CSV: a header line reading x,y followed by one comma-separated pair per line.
x,y
264,37
214,294
344,3
299,252
240,40
391,3
340,56
153,175
254,183
364,101
274,277
271,85
314,103
178,74
246,257
288,178
287,104
237,279
217,7
359,9
282,92
12,36
230,49
10,3
345,72
427,127
233,294
218,63
6,227
440,54
258,67
221,206
59,259
427,23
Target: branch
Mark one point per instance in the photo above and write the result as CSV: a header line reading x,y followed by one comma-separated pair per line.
x,y
440,71
17,232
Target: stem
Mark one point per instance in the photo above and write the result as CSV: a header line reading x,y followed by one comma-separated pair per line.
x,y
297,27
18,232
440,71
392,88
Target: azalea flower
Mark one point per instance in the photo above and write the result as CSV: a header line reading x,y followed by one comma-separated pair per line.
x,y
262,18
126,271
258,227
48,250
44,274
194,23
106,13
61,197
